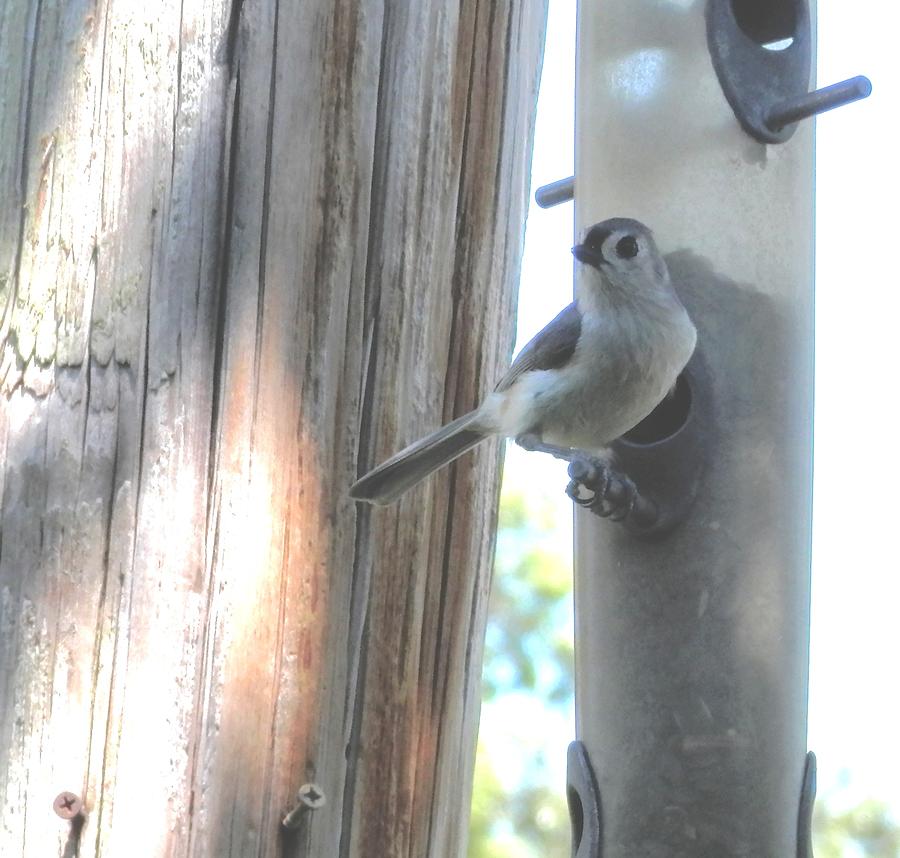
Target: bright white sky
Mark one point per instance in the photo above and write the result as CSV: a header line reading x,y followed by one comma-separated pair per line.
x,y
855,677
855,683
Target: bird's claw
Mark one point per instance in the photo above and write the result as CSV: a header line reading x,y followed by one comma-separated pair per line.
x,y
587,475
609,494
595,486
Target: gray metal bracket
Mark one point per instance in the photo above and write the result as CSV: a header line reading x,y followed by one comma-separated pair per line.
x,y
805,812
586,810
583,797
762,53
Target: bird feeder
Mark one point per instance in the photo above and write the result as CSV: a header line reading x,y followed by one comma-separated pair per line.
x,y
692,620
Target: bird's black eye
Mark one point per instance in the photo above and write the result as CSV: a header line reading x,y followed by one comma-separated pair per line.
x,y
627,248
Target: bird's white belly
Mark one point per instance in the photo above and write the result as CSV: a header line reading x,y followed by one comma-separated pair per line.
x,y
581,410
616,377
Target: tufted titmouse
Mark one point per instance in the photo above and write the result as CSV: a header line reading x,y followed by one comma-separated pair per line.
x,y
601,366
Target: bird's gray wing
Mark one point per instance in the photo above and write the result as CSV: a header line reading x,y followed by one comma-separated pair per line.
x,y
551,348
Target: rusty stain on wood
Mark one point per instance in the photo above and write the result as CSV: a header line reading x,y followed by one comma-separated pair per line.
x,y
245,250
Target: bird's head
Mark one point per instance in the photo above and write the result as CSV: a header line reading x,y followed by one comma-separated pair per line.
x,y
624,253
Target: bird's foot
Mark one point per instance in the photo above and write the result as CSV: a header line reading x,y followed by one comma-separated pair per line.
x,y
597,487
602,490
533,444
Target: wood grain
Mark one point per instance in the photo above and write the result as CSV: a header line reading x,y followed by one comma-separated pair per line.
x,y
246,250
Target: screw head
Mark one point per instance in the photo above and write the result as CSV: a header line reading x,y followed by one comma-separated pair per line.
x,y
67,805
309,797
312,795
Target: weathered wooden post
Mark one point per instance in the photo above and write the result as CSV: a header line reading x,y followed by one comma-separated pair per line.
x,y
240,244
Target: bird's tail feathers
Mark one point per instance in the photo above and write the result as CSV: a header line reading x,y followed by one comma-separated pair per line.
x,y
402,471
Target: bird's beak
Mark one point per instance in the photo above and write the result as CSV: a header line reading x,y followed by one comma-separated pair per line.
x,y
588,256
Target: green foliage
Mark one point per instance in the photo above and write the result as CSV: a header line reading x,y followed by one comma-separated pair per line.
x,y
528,646
528,649
867,829
531,822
